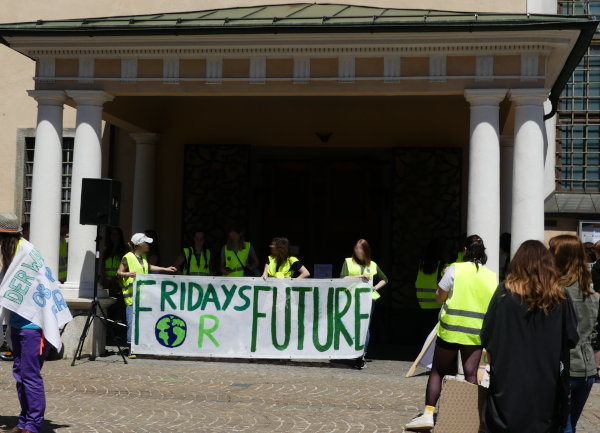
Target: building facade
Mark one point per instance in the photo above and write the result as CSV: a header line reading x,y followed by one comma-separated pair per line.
x,y
322,122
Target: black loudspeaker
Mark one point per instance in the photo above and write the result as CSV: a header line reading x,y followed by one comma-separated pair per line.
x,y
100,202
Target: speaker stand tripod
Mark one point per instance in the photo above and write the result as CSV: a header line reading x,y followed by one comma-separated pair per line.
x,y
96,312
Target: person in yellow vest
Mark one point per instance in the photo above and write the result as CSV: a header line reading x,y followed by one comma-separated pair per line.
x,y
114,250
431,269
280,264
195,259
63,252
360,265
134,263
238,258
466,290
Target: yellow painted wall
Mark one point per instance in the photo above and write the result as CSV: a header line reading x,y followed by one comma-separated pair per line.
x,y
17,110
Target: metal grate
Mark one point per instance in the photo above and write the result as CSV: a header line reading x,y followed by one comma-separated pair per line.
x,y
578,134
67,170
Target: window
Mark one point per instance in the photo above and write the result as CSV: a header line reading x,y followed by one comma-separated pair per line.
x,y
67,170
578,135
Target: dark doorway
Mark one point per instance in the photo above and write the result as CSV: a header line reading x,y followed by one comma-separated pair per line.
x,y
323,202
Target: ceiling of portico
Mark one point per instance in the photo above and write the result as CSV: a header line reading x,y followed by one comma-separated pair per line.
x,y
297,121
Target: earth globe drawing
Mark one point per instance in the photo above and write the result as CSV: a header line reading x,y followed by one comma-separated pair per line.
x,y
170,330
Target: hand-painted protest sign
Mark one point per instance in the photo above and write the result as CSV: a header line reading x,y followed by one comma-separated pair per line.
x,y
30,290
250,317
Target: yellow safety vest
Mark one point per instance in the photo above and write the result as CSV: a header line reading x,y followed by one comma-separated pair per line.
x,y
111,266
354,270
133,265
464,310
236,264
193,266
283,271
426,285
63,254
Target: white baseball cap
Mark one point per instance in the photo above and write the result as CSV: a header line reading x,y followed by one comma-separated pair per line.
x,y
140,238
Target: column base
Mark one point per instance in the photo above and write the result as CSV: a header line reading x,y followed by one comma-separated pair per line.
x,y
95,342
77,291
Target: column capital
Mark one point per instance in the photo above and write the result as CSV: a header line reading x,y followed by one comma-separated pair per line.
x,y
485,96
533,96
89,97
148,138
48,97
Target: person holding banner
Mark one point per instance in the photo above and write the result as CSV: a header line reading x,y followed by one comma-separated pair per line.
x,y
238,257
360,265
280,264
30,293
195,259
134,263
465,289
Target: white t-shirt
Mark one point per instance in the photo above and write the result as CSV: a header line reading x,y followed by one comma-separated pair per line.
x,y
447,281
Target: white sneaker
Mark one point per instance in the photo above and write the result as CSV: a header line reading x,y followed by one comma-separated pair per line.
x,y
420,423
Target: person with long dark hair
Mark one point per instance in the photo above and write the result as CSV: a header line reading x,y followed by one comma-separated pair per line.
x,y
431,268
360,265
280,264
28,342
574,275
465,289
528,330
195,259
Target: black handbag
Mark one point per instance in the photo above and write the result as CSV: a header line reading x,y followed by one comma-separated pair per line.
x,y
563,391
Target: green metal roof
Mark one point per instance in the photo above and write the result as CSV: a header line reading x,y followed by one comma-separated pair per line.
x,y
286,17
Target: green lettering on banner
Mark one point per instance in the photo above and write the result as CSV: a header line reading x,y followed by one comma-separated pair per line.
x,y
202,331
194,287
255,314
301,307
211,296
165,294
139,309
182,296
358,316
329,318
228,295
24,278
287,320
15,294
246,299
38,261
340,328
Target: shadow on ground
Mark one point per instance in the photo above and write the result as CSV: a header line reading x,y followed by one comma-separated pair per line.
x,y
8,422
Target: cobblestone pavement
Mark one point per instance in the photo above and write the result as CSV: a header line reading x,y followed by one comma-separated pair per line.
x,y
151,395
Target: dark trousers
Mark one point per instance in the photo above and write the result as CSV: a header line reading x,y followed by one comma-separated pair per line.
x,y
580,390
29,358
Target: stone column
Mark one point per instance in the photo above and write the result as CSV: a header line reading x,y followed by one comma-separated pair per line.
x,y
47,175
87,163
483,206
143,185
528,166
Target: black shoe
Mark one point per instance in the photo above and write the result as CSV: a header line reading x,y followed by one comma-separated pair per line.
x,y
360,363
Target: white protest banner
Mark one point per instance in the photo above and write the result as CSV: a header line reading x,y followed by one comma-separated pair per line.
x,y
250,317
30,290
